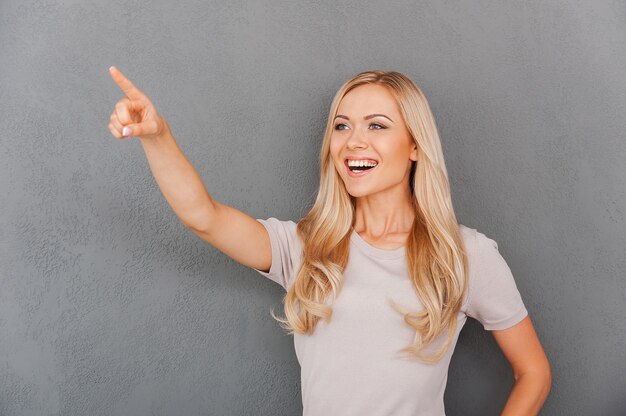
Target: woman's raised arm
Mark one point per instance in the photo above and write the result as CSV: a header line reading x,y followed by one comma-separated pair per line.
x,y
233,232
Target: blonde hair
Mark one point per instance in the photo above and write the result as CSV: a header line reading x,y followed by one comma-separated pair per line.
x,y
436,255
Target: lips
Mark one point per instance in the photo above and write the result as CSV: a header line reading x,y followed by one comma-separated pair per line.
x,y
358,174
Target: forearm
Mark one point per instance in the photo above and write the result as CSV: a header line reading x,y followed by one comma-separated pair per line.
x,y
179,182
528,395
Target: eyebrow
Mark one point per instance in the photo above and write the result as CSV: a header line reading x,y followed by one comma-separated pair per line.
x,y
366,117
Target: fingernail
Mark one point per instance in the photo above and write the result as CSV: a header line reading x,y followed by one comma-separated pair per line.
x,y
126,131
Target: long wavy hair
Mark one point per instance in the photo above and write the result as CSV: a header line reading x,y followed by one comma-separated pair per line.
x,y
436,256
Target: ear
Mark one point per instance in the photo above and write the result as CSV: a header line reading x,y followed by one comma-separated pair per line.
x,y
413,155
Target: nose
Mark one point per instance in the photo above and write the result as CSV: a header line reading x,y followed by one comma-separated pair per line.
x,y
356,140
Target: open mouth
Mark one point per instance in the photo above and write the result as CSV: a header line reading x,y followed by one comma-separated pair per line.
x,y
358,168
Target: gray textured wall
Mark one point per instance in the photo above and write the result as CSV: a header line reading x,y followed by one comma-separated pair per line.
x,y
109,306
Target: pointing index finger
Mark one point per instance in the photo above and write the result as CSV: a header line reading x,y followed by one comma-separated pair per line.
x,y
125,85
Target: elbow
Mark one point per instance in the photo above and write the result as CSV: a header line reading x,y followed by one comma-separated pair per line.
x,y
548,380
546,373
539,371
541,377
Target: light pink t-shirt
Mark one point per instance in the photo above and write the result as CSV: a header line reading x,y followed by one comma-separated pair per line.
x,y
349,366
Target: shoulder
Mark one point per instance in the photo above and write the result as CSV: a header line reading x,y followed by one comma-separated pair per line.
x,y
493,297
287,226
468,234
286,250
283,231
481,251
275,221
476,242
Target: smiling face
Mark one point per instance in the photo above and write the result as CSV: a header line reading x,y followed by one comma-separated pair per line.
x,y
369,130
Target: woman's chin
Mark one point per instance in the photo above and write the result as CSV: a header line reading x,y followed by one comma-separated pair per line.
x,y
355,192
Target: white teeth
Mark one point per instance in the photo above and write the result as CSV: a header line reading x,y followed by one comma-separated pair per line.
x,y
361,163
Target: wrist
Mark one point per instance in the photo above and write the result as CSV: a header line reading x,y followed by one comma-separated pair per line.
x,y
164,135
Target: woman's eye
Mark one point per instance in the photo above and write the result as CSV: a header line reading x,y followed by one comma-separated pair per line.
x,y
377,126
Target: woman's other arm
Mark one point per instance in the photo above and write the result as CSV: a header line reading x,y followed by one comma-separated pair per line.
x,y
233,232
531,368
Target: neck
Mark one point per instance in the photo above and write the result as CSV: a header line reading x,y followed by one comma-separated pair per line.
x,y
384,213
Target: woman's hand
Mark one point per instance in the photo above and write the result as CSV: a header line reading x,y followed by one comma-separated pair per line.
x,y
134,115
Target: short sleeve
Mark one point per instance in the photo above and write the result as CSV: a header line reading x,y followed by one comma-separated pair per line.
x,y
494,299
286,250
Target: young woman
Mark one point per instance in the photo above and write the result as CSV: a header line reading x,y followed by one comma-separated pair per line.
x,y
379,275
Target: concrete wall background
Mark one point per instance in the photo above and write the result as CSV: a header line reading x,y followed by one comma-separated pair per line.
x,y
109,306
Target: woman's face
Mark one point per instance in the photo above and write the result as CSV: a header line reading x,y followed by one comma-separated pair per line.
x,y
369,129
